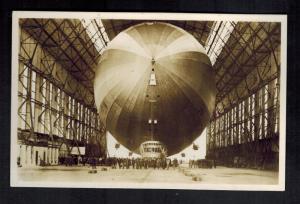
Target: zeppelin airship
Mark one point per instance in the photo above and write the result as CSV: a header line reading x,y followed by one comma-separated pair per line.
x,y
155,82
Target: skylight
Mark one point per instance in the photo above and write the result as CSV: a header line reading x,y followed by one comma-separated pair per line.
x,y
217,38
97,33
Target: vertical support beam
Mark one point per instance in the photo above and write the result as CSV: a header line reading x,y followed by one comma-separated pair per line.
x,y
208,136
277,98
263,112
247,133
230,128
271,109
256,116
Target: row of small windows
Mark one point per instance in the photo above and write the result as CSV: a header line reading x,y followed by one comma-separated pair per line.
x,y
152,150
150,144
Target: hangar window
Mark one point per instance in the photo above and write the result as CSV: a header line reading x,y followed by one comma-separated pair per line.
x,y
96,32
218,37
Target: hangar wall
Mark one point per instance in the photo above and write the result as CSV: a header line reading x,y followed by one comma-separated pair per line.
x,y
52,107
244,131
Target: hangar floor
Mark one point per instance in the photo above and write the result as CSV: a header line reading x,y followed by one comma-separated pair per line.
x,y
220,175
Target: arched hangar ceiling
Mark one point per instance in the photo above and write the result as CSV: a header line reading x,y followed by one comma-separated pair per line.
x,y
245,55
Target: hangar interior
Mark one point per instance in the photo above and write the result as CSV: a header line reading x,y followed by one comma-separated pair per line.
x,y
57,115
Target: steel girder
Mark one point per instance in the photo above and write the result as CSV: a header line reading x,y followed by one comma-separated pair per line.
x,y
252,54
68,42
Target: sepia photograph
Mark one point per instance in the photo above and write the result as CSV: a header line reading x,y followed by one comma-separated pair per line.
x,y
148,100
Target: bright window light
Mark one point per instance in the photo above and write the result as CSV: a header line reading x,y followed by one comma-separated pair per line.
x,y
97,33
217,38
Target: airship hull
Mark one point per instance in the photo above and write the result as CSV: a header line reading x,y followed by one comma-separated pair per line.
x,y
155,82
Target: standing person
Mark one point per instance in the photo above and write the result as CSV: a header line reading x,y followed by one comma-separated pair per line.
x,y
119,163
19,161
127,163
158,163
138,163
142,163
164,163
79,160
113,162
123,163
175,163
133,163
93,163
167,164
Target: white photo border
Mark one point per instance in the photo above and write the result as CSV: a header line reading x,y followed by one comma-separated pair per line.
x,y
16,182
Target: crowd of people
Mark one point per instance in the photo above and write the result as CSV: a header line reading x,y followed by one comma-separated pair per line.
x,y
121,163
142,163
135,163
